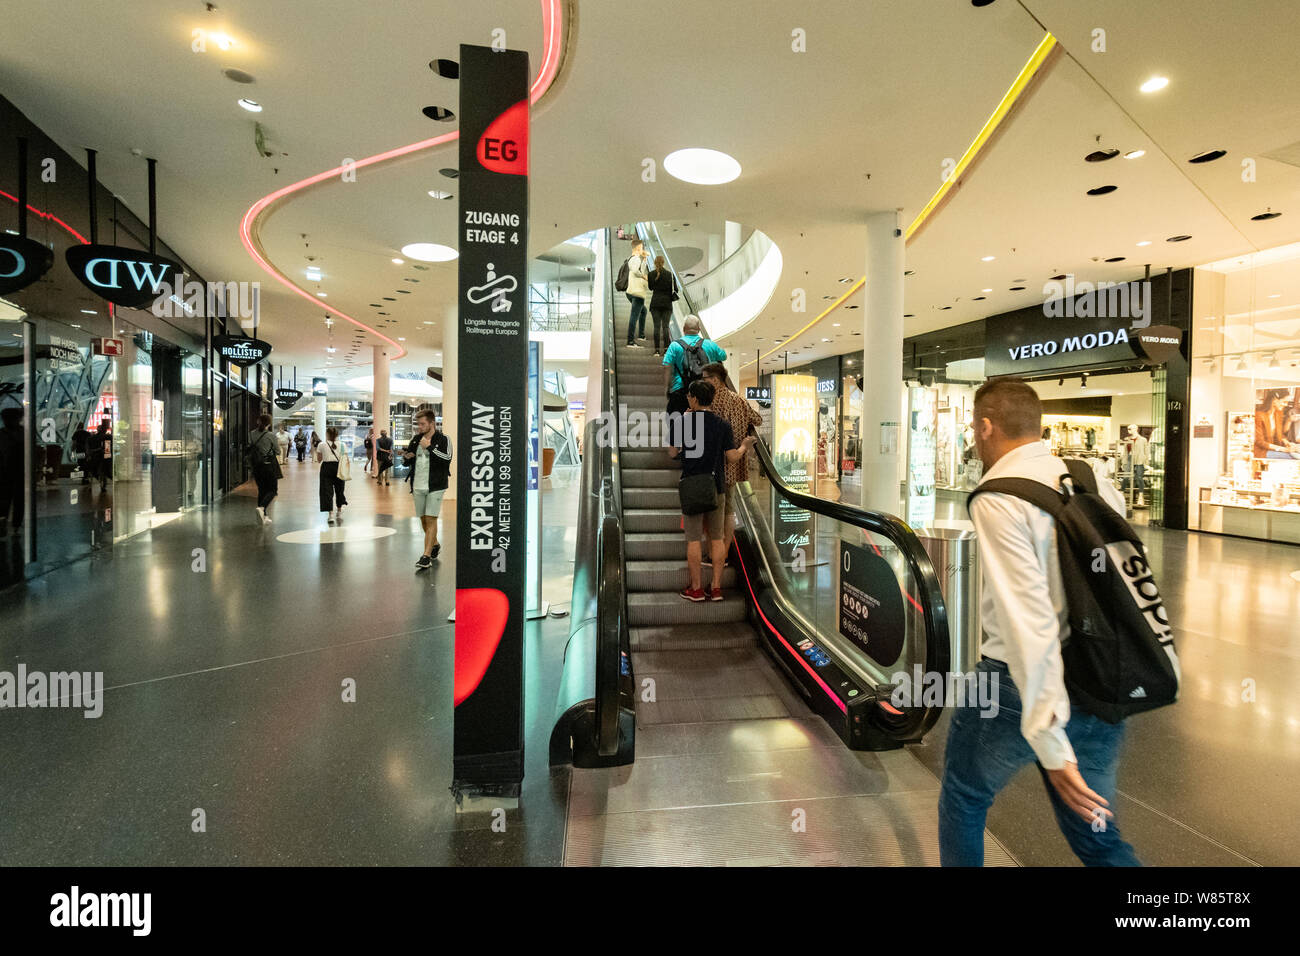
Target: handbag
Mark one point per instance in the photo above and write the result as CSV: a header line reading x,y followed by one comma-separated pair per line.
x,y
698,494
675,295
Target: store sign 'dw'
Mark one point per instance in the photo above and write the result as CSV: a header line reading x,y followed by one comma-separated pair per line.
x,y
130,278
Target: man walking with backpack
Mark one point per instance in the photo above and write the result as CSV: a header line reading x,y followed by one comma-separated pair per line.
x,y
1075,638
684,362
632,280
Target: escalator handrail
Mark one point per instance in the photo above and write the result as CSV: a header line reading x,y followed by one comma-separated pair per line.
x,y
610,621
933,609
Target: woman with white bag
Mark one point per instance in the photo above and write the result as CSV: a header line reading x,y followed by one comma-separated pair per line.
x,y
335,469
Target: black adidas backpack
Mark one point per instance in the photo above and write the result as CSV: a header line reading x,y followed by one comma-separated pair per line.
x,y
623,275
1119,655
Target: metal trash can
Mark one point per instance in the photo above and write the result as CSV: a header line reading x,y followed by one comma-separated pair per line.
x,y
953,553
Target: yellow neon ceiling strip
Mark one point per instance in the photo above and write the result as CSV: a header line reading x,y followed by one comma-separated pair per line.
x,y
1004,108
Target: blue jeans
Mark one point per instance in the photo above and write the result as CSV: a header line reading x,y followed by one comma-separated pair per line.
x,y
638,313
985,752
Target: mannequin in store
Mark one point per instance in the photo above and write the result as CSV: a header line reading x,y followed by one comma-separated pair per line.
x,y
1141,455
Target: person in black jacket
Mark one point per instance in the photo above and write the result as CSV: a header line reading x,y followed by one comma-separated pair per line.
x,y
429,455
662,289
80,445
13,455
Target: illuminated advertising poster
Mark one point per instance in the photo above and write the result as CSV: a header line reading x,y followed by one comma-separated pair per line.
x,y
794,449
491,461
923,426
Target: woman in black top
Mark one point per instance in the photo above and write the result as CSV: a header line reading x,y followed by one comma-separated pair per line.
x,y
662,289
384,456
264,452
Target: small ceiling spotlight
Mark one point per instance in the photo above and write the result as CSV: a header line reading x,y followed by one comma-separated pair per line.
x,y
1155,84
251,105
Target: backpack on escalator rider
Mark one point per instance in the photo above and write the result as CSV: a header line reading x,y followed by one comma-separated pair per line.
x,y
694,358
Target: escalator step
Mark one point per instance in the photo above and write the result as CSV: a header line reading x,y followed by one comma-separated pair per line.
x,y
647,478
669,575
651,519
691,637
667,607
654,546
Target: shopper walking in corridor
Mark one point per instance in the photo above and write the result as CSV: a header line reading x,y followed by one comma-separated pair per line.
x,y
383,456
300,442
429,455
335,470
264,459
1025,617
370,454
282,442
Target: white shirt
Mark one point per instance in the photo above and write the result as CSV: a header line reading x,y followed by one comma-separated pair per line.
x,y
637,270
1022,600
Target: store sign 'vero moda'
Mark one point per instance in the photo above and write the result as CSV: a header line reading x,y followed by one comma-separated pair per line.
x,y
1157,344
241,351
286,398
794,401
126,277
22,262
491,461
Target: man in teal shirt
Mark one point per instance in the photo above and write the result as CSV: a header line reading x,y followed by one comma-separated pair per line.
x,y
684,362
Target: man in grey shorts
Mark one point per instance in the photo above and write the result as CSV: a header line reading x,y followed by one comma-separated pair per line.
x,y
429,455
713,445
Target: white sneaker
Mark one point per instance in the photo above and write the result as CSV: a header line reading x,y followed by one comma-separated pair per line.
x,y
261,514
266,518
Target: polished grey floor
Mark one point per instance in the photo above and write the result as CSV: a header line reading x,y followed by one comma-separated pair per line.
x,y
225,695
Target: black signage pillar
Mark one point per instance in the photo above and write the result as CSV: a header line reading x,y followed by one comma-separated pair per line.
x,y
492,458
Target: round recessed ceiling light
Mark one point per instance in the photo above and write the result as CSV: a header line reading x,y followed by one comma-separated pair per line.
x,y
1145,242
429,252
1115,259
987,258
389,298
251,105
1056,278
238,76
448,68
398,262
1154,84
1209,156
703,167
322,295
1101,190
978,298
450,173
440,194
439,114
1101,155
1178,238
852,307
1014,288
907,315
1265,216
986,290
1135,154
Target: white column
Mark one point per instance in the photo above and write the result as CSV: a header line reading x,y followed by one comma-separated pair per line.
x,y
732,241
379,399
882,363
715,252
319,422
450,399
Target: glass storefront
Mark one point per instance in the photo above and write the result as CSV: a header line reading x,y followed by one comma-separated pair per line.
x,y
1245,403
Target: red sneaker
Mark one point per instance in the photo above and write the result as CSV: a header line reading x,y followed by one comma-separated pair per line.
x,y
715,594
692,594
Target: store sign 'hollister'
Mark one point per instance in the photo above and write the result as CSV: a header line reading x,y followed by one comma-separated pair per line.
x,y
125,277
22,262
240,351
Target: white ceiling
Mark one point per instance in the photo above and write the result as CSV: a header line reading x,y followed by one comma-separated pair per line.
x,y
886,90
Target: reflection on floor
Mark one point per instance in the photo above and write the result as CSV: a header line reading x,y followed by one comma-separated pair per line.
x,y
223,650
225,674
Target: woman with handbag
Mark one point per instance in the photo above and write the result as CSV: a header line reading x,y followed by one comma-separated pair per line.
x,y
264,456
335,469
663,293
708,443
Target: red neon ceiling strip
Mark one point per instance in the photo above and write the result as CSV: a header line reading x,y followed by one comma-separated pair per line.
x,y
50,216
552,32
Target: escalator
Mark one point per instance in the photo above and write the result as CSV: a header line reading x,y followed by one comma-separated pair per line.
x,y
647,671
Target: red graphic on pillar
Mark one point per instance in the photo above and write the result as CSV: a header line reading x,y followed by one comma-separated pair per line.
x,y
481,615
503,147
